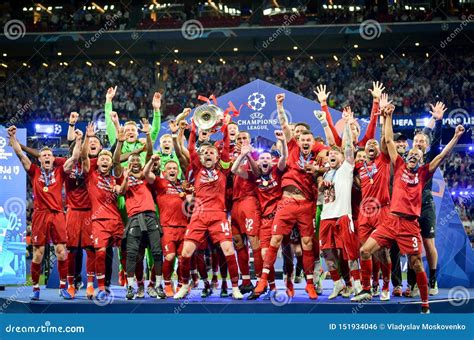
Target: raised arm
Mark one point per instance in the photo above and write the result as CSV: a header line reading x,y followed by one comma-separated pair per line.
x,y
436,132
109,125
149,143
156,124
322,96
282,115
388,133
435,163
25,161
284,150
147,170
85,147
236,167
348,145
76,152
225,154
118,151
30,151
71,135
321,116
183,161
376,92
124,186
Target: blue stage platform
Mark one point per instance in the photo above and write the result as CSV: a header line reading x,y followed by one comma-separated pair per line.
x,y
16,300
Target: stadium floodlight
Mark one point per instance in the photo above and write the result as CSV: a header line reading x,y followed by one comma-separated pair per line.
x,y
288,58
25,64
236,49
4,54
4,65
335,57
50,8
106,7
325,6
65,64
176,51
112,7
351,8
112,63
199,61
60,53
31,9
117,52
417,44
295,47
311,57
25,9
45,65
356,46
358,57
427,55
381,56
88,63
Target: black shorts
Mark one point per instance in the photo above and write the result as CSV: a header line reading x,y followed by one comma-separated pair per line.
x,y
427,219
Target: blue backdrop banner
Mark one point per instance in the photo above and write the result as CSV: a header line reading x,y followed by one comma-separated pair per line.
x,y
12,212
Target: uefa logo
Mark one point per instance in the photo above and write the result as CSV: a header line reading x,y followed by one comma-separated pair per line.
x,y
256,115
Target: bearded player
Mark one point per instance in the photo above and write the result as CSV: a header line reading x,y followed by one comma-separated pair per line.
x,y
209,214
103,186
268,189
409,179
49,223
245,214
337,234
298,203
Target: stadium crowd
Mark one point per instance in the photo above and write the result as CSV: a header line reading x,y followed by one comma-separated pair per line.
x,y
413,81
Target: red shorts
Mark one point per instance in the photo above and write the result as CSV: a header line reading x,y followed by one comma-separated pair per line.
x,y
371,217
265,234
246,216
404,231
48,226
79,228
107,233
330,233
172,240
350,239
290,212
214,223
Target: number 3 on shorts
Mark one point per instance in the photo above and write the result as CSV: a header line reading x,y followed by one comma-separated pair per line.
x,y
415,243
225,228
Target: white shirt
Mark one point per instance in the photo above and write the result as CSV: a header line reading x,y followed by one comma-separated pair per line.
x,y
337,198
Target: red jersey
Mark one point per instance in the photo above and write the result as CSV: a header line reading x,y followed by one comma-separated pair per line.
x,y
138,197
77,196
47,187
170,203
296,175
408,187
356,199
375,179
269,191
102,195
244,187
209,189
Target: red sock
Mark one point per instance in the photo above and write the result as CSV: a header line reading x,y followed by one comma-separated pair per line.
x,y
308,265
167,269
62,270
355,274
201,265
90,265
100,269
185,267
365,273
346,272
299,262
335,275
422,282
193,267
269,261
214,261
243,258
375,271
386,271
222,265
178,271
271,279
35,273
71,266
233,270
258,261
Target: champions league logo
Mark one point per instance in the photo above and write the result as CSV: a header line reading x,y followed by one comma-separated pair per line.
x,y
3,154
257,102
